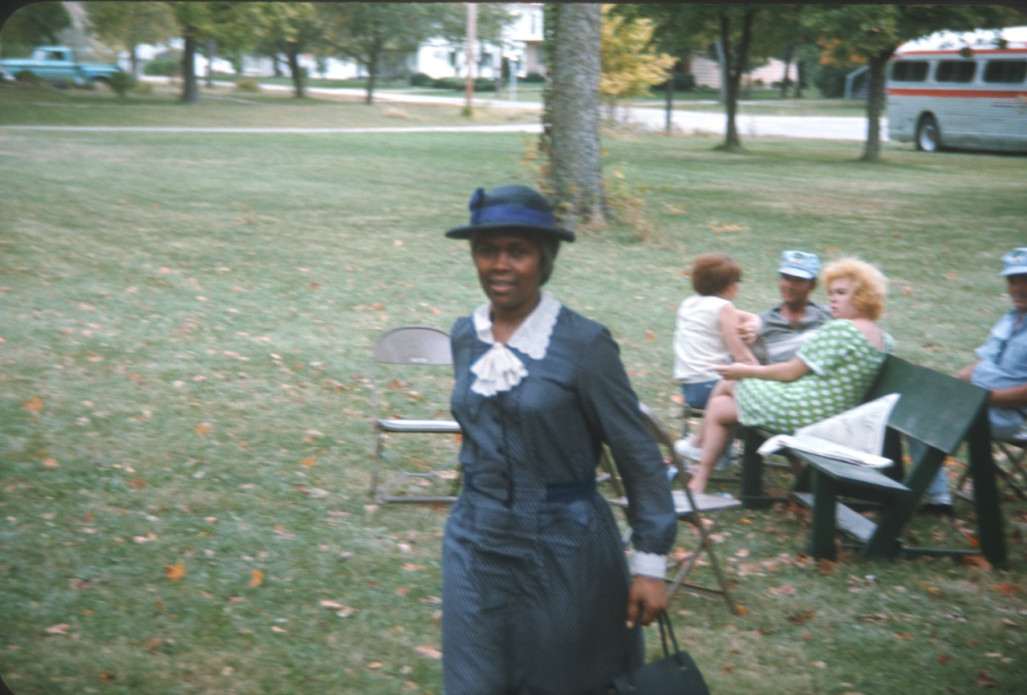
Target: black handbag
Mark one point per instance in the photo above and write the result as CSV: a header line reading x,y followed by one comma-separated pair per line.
x,y
674,674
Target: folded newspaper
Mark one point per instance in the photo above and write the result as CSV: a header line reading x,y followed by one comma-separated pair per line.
x,y
855,436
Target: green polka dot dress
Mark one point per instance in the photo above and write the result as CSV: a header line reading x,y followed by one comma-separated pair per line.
x,y
842,363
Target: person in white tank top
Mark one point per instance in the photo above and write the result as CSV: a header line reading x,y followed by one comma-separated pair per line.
x,y
707,334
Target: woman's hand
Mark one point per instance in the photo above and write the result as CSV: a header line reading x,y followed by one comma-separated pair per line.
x,y
647,599
733,371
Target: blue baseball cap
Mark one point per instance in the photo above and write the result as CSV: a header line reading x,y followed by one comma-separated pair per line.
x,y
1015,262
800,264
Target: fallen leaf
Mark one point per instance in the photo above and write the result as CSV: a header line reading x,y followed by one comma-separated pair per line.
x,y
309,461
202,428
985,680
33,405
428,651
375,664
256,578
58,629
175,572
50,463
332,605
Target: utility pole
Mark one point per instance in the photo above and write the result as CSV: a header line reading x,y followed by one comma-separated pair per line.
x,y
472,37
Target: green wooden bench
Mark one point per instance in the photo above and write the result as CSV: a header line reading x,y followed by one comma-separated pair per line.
x,y
934,416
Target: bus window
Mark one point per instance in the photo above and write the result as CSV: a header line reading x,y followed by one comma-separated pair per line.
x,y
1005,71
955,71
909,71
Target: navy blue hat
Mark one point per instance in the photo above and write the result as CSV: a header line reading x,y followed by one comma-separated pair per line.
x,y
510,208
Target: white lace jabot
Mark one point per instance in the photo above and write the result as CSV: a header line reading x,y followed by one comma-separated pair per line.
x,y
499,369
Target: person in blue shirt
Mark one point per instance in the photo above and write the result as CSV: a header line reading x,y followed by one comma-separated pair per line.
x,y
1001,367
537,595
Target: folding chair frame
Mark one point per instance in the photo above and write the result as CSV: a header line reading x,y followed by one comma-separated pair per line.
x,y
413,345
689,507
1014,474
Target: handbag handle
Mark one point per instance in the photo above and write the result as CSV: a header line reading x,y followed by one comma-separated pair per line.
x,y
667,629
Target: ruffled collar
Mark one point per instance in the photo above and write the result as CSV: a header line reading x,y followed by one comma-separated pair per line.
x,y
499,369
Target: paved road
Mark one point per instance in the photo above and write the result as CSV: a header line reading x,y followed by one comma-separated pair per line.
x,y
654,119
648,118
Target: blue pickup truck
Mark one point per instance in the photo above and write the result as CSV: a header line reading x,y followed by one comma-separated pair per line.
x,y
57,65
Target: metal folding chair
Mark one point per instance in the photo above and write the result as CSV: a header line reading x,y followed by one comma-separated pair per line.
x,y
421,347
1010,466
690,507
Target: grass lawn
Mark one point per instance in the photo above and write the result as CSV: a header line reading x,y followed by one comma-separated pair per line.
x,y
187,322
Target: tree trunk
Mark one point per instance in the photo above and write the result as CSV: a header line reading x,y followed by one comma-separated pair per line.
x,y
734,66
575,173
786,79
208,50
296,70
875,104
669,104
190,89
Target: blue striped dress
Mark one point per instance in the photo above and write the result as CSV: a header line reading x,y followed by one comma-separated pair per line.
x,y
535,581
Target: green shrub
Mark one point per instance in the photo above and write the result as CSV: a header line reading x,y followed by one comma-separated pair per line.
x,y
534,77
29,78
247,84
419,79
484,84
448,83
122,82
166,64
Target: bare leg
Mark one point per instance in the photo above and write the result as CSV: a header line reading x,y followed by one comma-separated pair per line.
x,y
718,422
724,386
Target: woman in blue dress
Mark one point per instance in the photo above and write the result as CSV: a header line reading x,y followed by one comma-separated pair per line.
x,y
537,596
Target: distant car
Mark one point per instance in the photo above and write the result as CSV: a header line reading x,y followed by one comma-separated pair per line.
x,y
57,65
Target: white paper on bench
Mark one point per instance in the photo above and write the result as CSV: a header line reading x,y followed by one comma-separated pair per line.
x,y
855,436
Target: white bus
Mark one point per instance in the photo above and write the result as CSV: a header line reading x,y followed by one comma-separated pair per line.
x,y
960,90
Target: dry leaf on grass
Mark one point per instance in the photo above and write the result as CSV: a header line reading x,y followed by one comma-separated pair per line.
x,y
175,572
428,651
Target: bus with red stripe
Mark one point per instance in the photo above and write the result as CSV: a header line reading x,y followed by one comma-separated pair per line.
x,y
960,91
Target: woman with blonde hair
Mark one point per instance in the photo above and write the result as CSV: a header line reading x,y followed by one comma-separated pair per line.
x,y
830,374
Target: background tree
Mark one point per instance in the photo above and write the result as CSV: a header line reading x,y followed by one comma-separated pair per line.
x,y
368,31
126,25
32,25
230,24
727,27
571,138
291,28
873,32
629,66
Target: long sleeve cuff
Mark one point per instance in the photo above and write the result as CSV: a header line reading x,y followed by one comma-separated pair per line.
x,y
648,564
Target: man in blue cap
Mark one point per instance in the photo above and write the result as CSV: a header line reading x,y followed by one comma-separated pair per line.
x,y
783,328
1001,367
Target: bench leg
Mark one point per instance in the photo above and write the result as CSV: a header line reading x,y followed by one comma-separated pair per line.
x,y
822,521
752,472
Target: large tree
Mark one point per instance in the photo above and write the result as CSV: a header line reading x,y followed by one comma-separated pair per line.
x,y
291,28
872,33
128,24
230,23
727,27
29,26
367,32
571,118
629,64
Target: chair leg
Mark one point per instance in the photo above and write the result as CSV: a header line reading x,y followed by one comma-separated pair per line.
x,y
705,544
1015,477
